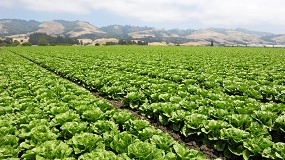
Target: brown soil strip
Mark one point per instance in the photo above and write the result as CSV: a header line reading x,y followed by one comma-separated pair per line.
x,y
191,143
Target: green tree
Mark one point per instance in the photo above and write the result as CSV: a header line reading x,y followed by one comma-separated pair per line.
x,y
16,43
110,43
9,40
142,43
42,42
26,44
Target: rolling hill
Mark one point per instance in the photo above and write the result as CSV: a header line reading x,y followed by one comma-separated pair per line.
x,y
80,29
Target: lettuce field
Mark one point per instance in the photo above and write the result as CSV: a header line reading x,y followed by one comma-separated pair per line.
x,y
62,103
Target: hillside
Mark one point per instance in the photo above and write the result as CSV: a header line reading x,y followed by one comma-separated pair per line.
x,y
9,27
80,29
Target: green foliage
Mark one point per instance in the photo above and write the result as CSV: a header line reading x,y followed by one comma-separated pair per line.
x,y
145,151
184,153
232,98
134,99
43,116
42,39
121,142
9,42
49,150
86,142
68,25
69,129
26,44
119,30
99,154
42,42
110,43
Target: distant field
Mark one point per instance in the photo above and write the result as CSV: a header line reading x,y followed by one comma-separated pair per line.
x,y
231,99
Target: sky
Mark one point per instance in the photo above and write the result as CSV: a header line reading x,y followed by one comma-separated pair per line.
x,y
259,15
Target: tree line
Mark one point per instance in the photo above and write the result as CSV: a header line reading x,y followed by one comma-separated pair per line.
x,y
8,42
127,42
43,39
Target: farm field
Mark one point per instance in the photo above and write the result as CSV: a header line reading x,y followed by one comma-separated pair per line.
x,y
43,116
231,99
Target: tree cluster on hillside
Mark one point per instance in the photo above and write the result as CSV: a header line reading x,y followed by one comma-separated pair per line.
x,y
180,32
131,42
69,25
127,42
42,39
93,36
117,30
17,26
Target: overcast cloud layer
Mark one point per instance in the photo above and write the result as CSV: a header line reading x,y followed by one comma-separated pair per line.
x,y
229,13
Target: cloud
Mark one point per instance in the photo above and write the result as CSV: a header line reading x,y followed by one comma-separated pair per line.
x,y
208,12
57,6
145,10
6,4
241,12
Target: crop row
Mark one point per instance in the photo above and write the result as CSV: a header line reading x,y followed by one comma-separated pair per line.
x,y
43,116
251,76
236,124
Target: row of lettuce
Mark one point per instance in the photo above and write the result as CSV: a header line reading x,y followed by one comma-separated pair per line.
x,y
254,73
189,95
43,116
